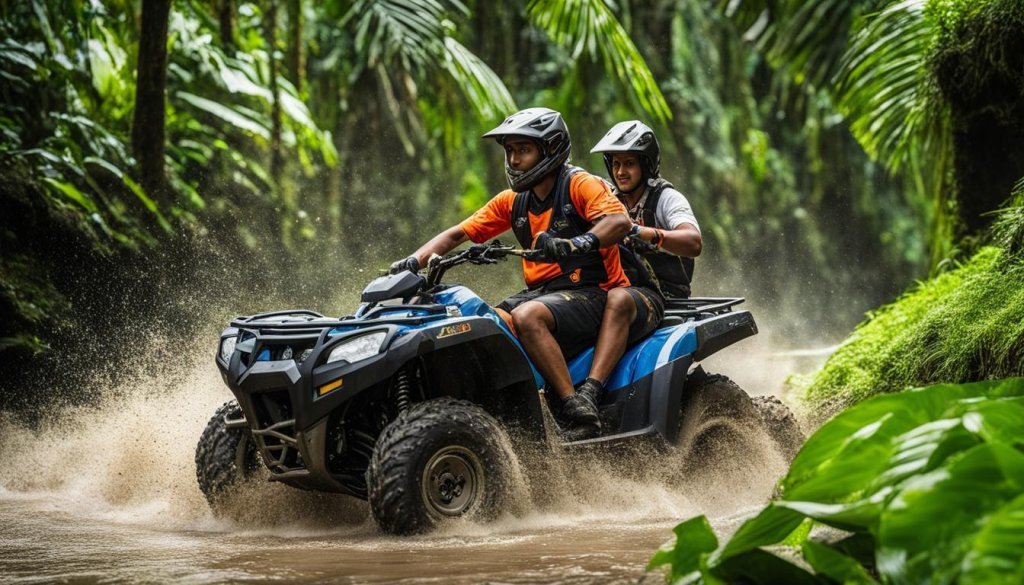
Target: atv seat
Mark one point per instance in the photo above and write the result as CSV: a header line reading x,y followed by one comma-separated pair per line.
x,y
670,320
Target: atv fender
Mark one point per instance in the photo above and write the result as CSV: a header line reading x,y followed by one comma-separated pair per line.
x,y
719,332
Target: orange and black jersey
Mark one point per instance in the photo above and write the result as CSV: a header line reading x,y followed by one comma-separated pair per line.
x,y
590,199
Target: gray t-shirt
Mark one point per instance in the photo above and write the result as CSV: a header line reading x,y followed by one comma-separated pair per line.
x,y
673,210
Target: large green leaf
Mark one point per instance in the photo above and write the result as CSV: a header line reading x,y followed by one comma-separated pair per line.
x,y
858,443
759,568
232,116
930,527
835,565
942,471
996,553
693,539
771,526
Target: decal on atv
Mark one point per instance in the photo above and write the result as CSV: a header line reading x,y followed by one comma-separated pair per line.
x,y
450,330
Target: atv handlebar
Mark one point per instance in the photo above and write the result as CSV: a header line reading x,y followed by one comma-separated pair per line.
x,y
488,253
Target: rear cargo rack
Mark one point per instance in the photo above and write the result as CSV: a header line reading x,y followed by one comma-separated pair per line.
x,y
695,306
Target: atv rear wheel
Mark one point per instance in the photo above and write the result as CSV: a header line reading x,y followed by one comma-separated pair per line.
x,y
225,457
716,415
439,460
719,419
780,424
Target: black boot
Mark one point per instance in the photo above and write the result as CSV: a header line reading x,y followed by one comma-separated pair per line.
x,y
581,411
592,389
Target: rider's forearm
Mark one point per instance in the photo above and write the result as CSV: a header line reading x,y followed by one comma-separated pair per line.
x,y
685,240
611,229
441,244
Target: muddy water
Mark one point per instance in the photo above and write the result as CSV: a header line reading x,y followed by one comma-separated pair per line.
x,y
108,493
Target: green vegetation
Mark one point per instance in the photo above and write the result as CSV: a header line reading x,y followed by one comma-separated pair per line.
x,y
919,487
930,88
923,485
964,325
294,130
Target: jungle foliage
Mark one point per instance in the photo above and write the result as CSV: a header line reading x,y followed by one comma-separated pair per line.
x,y
295,130
931,88
919,487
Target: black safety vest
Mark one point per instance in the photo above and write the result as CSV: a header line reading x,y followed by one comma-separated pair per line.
x,y
565,222
674,272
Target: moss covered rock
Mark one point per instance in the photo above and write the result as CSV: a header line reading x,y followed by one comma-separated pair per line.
x,y
962,326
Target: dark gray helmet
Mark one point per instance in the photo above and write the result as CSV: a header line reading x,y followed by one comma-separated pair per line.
x,y
546,127
633,137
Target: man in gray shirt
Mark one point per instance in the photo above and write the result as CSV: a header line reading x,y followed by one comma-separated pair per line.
x,y
665,233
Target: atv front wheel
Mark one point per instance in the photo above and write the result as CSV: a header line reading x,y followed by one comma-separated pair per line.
x,y
439,460
225,456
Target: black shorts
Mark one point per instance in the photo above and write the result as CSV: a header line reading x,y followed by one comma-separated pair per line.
x,y
650,310
578,313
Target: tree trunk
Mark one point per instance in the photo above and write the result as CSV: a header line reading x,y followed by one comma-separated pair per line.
x,y
295,56
276,156
226,17
150,108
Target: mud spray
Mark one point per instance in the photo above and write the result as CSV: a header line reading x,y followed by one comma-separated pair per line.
x,y
107,490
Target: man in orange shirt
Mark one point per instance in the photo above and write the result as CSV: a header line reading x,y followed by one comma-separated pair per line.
x,y
572,217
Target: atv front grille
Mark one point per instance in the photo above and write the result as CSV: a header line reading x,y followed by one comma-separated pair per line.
x,y
275,431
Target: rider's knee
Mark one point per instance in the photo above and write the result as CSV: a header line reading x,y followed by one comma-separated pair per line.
x,y
621,304
527,318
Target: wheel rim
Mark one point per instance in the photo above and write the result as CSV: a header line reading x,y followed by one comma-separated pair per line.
x,y
452,481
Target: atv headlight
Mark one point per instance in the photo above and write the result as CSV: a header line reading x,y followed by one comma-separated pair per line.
x,y
227,347
358,348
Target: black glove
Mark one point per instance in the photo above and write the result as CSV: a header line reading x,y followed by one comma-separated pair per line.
x,y
411,264
553,248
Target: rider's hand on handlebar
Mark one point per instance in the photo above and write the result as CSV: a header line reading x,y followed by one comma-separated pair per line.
x,y
552,248
637,243
411,264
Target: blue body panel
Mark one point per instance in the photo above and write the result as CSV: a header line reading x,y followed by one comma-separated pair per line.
x,y
660,348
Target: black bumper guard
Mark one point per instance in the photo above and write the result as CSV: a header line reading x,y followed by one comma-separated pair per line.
x,y
282,450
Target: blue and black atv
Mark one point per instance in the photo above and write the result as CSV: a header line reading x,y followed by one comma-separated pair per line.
x,y
410,402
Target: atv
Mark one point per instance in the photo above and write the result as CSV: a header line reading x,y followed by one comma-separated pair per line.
x,y
409,403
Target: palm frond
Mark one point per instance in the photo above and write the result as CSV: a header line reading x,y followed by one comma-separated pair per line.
x,y
417,35
484,89
411,31
807,38
884,86
590,26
